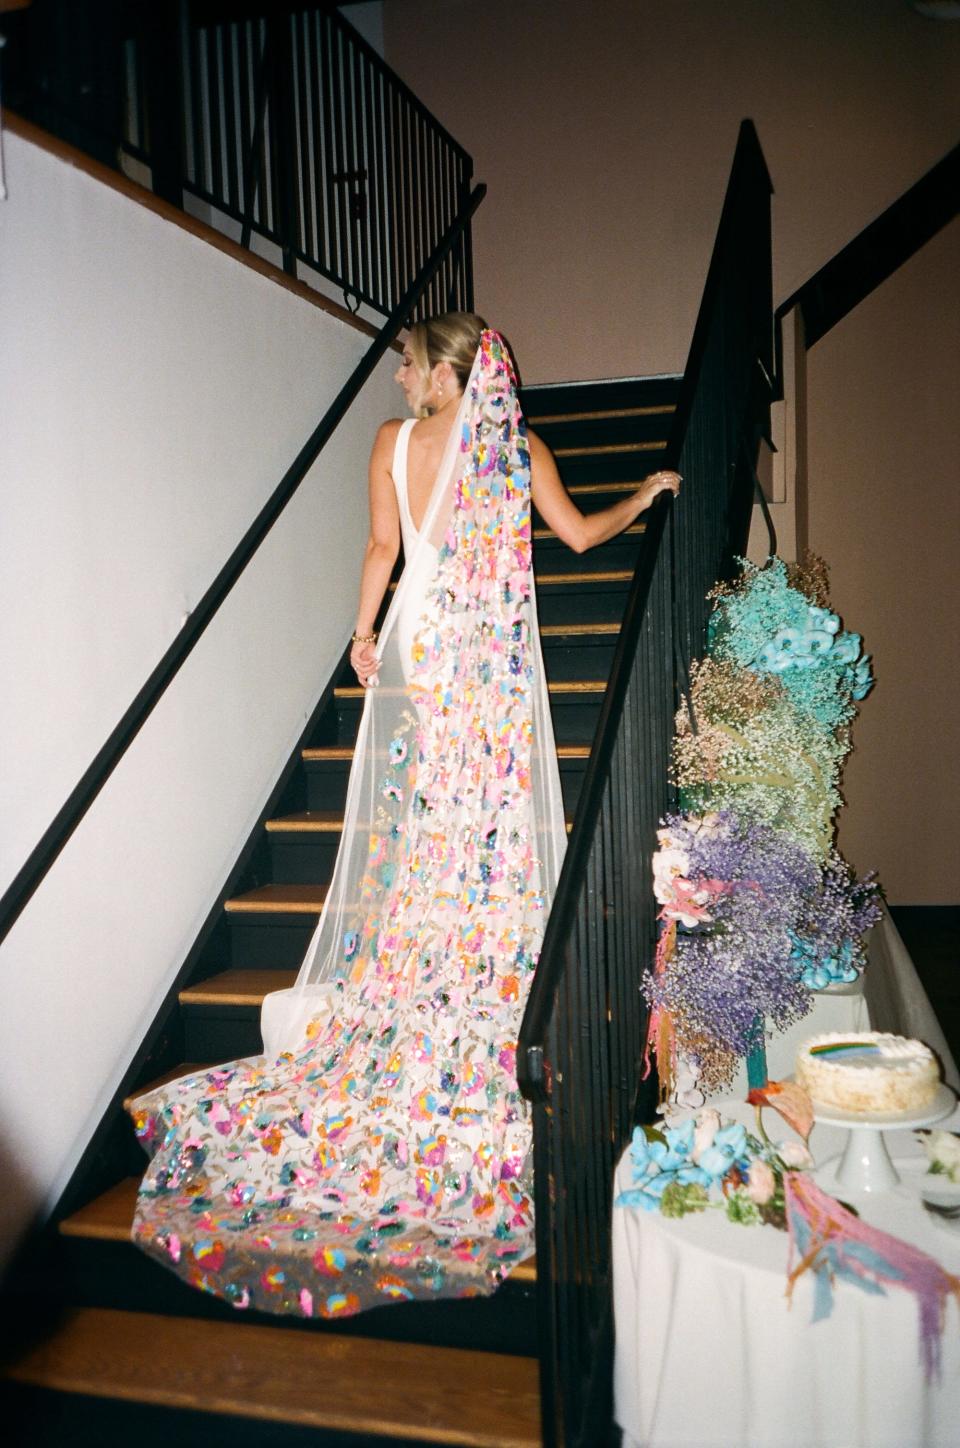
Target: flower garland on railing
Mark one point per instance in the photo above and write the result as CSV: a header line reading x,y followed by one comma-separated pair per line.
x,y
758,909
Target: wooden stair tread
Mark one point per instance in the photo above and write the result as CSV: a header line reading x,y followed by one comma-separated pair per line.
x,y
629,486
319,822
236,987
109,1217
542,534
577,630
184,1069
559,686
308,821
605,449
604,575
442,1395
335,752
603,414
279,900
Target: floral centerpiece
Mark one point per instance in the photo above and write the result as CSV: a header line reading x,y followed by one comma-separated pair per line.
x,y
706,1162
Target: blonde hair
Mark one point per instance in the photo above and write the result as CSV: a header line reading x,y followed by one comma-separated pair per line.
x,y
451,337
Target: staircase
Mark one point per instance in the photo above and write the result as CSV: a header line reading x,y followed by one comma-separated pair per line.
x,y
121,1351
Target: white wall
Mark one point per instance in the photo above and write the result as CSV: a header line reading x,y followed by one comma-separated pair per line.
x,y
152,392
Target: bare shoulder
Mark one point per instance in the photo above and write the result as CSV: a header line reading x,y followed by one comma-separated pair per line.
x,y
387,432
381,454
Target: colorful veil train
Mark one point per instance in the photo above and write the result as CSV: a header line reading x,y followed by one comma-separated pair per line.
x,y
380,1149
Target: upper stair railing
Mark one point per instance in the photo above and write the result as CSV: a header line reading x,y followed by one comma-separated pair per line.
x,y
278,116
876,252
581,1043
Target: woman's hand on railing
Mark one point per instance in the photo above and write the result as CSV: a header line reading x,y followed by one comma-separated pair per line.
x,y
658,483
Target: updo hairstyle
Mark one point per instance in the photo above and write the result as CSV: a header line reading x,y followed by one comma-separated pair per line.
x,y
451,337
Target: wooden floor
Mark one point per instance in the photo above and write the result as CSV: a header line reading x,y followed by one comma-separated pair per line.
x,y
399,1390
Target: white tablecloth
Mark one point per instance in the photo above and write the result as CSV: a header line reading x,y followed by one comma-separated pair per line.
x,y
707,1350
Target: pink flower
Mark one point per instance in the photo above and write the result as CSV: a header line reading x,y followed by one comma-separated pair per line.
x,y
761,1183
794,1154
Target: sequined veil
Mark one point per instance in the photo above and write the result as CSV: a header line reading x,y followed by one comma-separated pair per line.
x,y
379,1150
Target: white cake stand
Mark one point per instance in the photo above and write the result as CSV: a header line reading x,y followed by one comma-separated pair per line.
x,y
865,1165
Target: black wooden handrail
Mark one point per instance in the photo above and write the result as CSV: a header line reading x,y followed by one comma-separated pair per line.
x,y
877,251
581,1039
69,816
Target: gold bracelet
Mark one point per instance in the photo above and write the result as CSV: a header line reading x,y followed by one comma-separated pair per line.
x,y
363,638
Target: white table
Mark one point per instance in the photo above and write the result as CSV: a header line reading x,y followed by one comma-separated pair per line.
x,y
708,1351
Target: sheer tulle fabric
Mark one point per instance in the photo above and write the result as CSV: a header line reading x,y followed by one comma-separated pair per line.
x,y
379,1150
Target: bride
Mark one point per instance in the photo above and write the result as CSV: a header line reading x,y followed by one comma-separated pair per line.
x,y
379,1149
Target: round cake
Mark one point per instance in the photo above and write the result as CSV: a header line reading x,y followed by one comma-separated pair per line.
x,y
868,1071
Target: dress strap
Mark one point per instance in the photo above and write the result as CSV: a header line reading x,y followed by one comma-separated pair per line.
x,y
399,473
400,450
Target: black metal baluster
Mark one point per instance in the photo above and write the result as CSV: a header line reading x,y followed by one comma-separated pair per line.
x,y
373,164
397,211
321,155
232,193
359,186
303,115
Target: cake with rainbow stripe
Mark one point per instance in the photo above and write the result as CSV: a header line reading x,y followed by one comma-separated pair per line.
x,y
864,1071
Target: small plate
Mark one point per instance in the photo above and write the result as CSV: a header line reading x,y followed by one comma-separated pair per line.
x,y
939,1190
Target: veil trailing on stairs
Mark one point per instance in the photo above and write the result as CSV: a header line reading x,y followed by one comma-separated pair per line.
x,y
380,1149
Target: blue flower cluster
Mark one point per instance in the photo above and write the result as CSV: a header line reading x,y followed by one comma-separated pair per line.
x,y
660,1159
819,968
771,628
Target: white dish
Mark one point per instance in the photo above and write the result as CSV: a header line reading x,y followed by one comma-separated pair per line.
x,y
942,1104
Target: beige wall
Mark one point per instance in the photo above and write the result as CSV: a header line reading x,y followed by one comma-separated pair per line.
x,y
605,131
884,462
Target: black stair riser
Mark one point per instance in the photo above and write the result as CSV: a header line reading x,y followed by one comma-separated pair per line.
x,y
551,398
266,942
582,602
555,557
119,1275
326,782
601,432
222,1033
609,467
574,717
303,858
